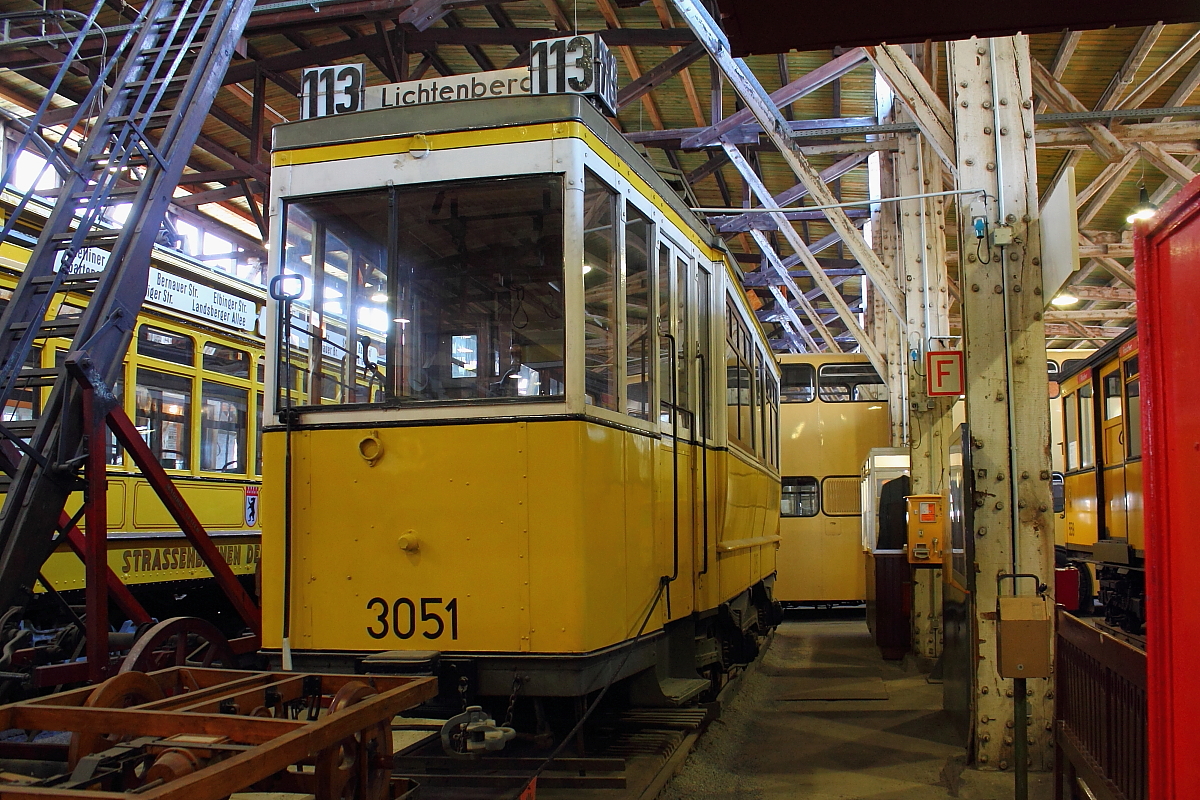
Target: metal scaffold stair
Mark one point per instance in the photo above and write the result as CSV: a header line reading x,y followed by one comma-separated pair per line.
x,y
153,96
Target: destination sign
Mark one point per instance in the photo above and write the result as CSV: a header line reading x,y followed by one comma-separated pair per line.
x,y
580,64
202,301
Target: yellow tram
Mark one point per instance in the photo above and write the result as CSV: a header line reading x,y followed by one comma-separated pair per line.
x,y
524,410
1101,530
833,410
196,370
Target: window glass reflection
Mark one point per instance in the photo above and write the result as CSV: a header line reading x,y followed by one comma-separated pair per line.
x,y
164,412
437,292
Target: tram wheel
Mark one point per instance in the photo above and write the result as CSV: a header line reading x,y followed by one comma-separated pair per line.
x,y
179,642
123,690
360,766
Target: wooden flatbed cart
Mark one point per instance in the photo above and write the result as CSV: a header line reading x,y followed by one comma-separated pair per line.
x,y
203,734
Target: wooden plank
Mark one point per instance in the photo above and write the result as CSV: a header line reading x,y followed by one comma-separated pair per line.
x,y
135,722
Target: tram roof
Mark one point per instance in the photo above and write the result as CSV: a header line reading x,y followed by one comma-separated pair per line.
x,y
488,114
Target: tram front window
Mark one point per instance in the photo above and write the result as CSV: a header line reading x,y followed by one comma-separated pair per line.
x,y
430,293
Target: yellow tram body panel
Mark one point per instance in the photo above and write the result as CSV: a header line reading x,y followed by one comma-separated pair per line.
x,y
532,537
821,558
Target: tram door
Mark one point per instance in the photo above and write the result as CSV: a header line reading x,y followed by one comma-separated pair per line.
x,y
677,411
1112,386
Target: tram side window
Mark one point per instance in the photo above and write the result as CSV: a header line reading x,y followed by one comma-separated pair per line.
x,y
164,410
704,334
1112,395
800,497
683,338
166,346
639,316
760,405
258,419
1133,408
223,416
1087,428
750,432
797,383
226,360
667,378
774,420
850,383
739,393
115,453
599,293
1071,429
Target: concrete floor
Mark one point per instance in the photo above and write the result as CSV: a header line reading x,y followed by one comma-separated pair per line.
x,y
766,747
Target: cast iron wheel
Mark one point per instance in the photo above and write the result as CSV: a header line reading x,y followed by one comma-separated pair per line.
x,y
180,642
124,690
360,766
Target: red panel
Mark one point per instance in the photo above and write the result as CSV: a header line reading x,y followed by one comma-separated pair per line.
x,y
1066,587
1168,278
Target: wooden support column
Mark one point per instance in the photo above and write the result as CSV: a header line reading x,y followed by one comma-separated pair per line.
x,y
885,330
921,253
1005,344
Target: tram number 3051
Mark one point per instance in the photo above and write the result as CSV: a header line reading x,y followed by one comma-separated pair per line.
x,y
400,618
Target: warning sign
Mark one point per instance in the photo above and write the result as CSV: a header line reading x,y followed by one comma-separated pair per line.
x,y
944,374
251,506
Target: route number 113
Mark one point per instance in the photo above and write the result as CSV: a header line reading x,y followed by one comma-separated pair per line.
x,y
574,65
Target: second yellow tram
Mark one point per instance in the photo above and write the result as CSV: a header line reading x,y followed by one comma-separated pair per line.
x,y
833,411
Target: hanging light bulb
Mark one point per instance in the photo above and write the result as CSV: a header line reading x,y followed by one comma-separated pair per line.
x,y
1144,208
1064,299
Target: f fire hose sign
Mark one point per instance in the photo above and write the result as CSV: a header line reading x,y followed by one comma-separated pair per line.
x,y
944,373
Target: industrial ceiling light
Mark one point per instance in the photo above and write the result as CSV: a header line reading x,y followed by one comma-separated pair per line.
x,y
1144,208
379,297
1064,299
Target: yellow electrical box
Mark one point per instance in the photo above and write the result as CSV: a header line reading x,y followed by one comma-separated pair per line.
x,y
1024,637
926,528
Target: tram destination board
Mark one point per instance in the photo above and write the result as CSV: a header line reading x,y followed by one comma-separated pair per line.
x,y
580,64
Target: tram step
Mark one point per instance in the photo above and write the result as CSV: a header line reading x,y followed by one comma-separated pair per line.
x,y
22,428
680,691
80,281
50,329
37,376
